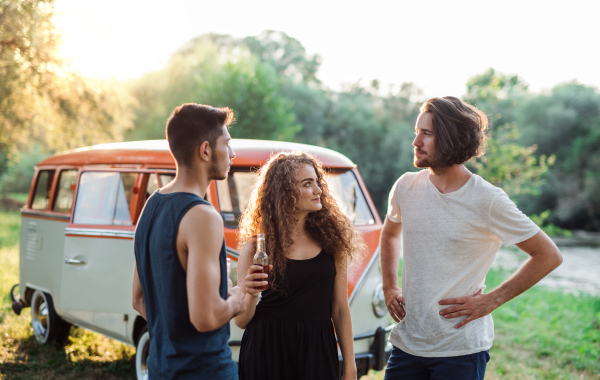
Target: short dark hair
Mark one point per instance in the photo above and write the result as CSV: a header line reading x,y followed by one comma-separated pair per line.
x,y
460,130
191,124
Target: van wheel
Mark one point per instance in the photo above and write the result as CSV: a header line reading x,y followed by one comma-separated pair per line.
x,y
47,325
141,354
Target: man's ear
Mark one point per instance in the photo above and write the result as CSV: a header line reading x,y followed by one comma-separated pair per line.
x,y
204,151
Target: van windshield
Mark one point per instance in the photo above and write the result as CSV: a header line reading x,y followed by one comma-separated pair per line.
x,y
234,192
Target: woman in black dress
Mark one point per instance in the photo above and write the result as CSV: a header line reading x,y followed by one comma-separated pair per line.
x,y
289,334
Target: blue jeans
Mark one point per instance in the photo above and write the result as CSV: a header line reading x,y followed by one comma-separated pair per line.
x,y
405,366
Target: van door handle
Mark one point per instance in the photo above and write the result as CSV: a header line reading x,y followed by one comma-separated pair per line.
x,y
74,262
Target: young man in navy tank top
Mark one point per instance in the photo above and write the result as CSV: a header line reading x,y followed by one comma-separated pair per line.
x,y
180,278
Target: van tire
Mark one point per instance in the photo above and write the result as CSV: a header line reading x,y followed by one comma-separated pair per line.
x,y
141,354
47,326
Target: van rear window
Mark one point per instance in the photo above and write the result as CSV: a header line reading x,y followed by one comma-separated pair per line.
x,y
104,198
66,188
41,197
234,192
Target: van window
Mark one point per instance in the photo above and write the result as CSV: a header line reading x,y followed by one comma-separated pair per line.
x,y
104,198
152,185
345,187
66,188
165,178
233,196
41,197
234,192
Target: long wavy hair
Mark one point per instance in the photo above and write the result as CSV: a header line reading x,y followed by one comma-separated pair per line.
x,y
272,206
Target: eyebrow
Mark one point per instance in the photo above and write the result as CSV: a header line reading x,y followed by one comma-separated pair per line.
x,y
424,129
307,179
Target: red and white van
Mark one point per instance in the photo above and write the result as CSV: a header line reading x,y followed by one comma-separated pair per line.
x,y
77,229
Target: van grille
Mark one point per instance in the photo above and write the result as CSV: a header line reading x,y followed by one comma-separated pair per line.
x,y
33,241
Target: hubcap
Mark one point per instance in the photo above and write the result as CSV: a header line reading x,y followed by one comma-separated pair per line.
x,y
143,350
39,320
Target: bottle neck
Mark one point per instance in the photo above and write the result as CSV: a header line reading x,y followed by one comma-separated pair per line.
x,y
260,243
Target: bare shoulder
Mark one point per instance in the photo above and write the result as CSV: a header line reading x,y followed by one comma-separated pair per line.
x,y
202,222
203,214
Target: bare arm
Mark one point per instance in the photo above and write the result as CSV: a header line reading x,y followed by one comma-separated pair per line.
x,y
343,322
545,257
138,294
201,234
390,259
248,285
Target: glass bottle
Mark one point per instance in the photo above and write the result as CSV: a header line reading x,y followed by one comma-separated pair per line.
x,y
261,258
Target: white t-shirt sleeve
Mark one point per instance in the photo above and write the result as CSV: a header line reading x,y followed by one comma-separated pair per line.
x,y
508,223
393,212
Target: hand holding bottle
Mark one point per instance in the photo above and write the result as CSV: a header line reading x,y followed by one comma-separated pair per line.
x,y
257,279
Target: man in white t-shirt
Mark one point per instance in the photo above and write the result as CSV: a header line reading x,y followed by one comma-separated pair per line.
x,y
452,223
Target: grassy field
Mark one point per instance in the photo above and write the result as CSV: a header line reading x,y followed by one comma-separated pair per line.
x,y
542,334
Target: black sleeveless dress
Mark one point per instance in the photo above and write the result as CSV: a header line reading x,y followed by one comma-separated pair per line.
x,y
291,335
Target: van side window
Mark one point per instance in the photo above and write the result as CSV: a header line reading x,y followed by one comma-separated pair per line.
x,y
41,197
165,179
66,188
104,198
233,196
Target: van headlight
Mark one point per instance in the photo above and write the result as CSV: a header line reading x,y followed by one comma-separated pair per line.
x,y
378,302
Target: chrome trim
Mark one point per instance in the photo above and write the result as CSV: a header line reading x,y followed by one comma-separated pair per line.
x,y
45,214
363,276
372,334
233,252
379,310
74,262
99,232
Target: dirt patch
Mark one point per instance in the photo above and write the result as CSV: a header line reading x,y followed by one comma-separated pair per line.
x,y
9,204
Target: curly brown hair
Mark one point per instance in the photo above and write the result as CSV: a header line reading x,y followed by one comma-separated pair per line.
x,y
460,130
271,210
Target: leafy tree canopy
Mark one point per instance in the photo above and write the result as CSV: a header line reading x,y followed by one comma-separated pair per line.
x,y
226,75
42,98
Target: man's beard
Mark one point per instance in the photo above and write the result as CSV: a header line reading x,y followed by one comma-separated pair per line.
x,y
424,162
213,171
427,163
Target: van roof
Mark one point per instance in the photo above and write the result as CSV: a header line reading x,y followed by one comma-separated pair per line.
x,y
156,153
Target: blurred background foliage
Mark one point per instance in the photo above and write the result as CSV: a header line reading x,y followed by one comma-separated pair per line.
x,y
544,148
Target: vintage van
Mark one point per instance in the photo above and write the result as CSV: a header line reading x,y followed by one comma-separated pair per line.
x,y
76,248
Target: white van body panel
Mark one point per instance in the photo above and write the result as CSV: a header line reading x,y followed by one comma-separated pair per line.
x,y
102,283
41,246
364,320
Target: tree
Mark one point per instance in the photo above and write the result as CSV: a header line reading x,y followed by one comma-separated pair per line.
x,y
506,164
566,122
375,132
203,72
42,98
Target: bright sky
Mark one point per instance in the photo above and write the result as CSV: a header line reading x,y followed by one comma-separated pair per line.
x,y
435,44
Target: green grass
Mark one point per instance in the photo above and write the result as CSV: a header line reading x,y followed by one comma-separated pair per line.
x,y
542,334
